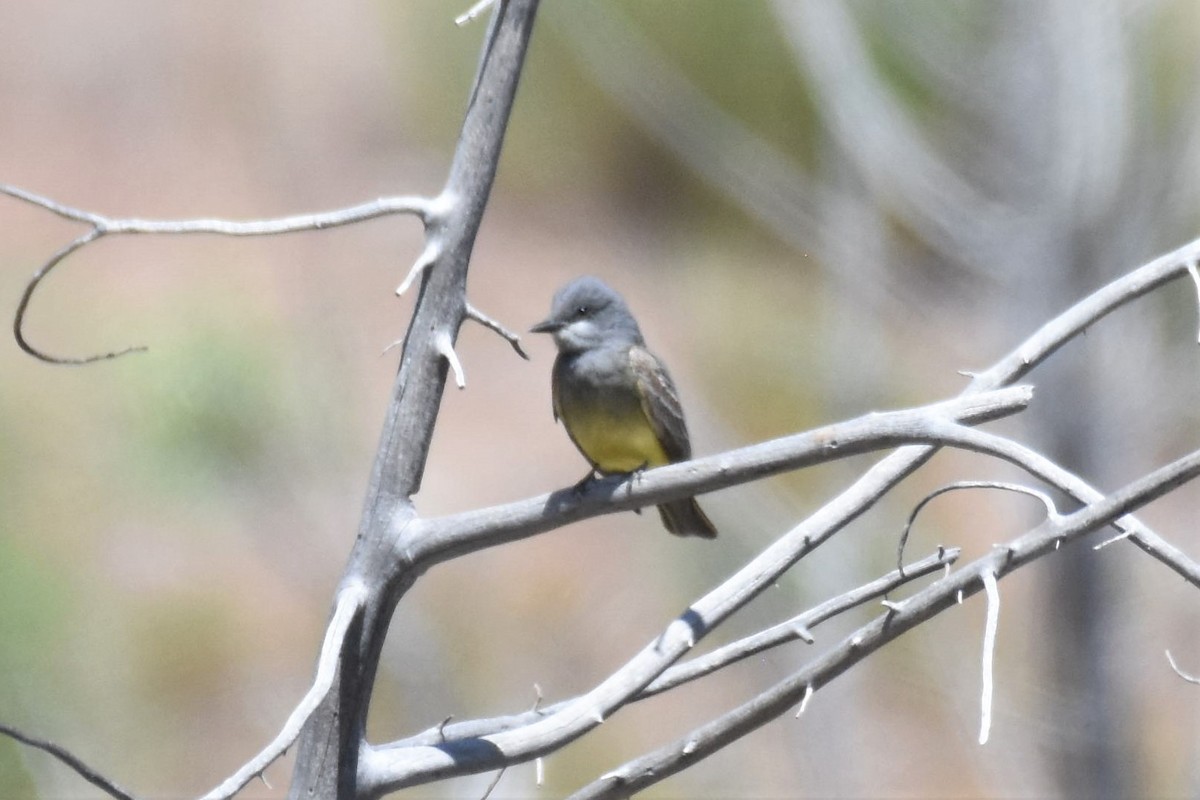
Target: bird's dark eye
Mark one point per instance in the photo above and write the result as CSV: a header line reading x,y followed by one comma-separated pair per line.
x,y
582,311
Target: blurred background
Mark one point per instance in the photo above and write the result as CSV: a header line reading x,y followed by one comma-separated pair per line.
x,y
816,210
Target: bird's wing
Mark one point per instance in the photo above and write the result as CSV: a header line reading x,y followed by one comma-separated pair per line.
x,y
660,402
554,390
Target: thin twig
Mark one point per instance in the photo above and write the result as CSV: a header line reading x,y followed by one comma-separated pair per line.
x,y
989,653
698,744
1195,275
104,226
496,780
71,760
1179,672
798,626
708,663
1010,487
349,604
27,295
513,339
315,221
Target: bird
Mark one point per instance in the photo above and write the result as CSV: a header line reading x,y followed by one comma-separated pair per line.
x,y
614,397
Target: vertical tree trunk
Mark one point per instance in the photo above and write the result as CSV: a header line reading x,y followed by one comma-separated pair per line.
x,y
327,759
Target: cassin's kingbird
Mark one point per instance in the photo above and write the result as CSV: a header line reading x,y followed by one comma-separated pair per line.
x,y
614,396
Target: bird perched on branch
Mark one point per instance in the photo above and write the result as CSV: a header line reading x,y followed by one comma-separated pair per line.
x,y
614,396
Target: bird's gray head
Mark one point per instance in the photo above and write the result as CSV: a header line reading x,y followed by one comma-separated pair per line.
x,y
587,314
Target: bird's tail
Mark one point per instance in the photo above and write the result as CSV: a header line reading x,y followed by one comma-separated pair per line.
x,y
685,518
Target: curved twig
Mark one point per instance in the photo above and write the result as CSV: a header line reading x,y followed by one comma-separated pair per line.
x,y
1009,487
27,295
1187,677
696,745
349,606
102,226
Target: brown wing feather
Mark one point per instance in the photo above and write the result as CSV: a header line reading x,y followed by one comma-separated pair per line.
x,y
660,402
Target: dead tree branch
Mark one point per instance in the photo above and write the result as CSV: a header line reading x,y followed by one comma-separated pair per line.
x,y
648,770
102,226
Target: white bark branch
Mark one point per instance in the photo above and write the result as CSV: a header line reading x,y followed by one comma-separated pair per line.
x,y
698,744
102,226
349,605
428,541
680,674
989,654
799,626
958,486
383,769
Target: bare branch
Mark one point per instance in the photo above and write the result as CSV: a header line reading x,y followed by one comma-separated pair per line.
x,y
103,226
385,769
696,745
315,221
1195,275
331,750
65,756
989,653
27,295
798,626
389,770
1088,311
1043,468
440,538
513,339
349,605
957,485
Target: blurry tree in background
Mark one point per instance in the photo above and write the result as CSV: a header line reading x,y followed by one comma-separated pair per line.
x,y
925,183
1001,157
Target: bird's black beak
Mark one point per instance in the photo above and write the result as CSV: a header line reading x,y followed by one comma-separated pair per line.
x,y
547,326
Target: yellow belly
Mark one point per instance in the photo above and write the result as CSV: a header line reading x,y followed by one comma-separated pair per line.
x,y
617,444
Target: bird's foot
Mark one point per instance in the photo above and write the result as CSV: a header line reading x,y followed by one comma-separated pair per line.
x,y
581,486
634,477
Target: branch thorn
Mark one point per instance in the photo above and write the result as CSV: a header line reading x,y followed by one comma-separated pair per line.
x,y
475,314
471,13
803,633
1195,274
537,700
423,262
808,693
441,728
446,348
